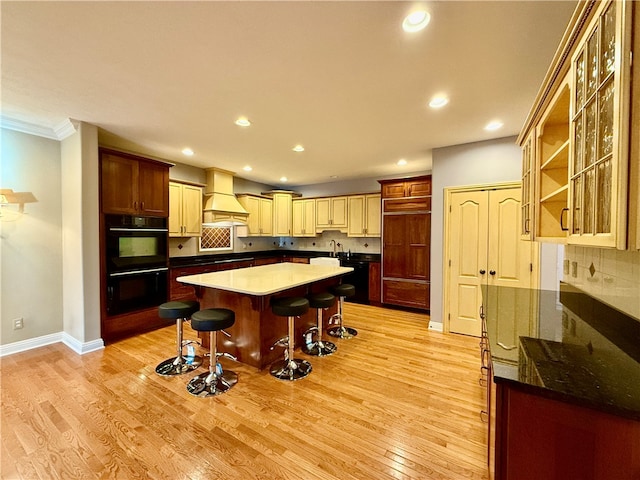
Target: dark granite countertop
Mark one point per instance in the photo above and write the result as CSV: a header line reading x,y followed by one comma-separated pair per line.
x,y
565,345
195,260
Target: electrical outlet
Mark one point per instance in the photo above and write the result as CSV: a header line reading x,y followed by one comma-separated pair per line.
x,y
574,269
18,323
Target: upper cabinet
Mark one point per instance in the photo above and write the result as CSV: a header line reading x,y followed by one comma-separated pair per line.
x,y
577,169
185,210
331,213
416,187
304,217
364,215
260,209
132,185
282,206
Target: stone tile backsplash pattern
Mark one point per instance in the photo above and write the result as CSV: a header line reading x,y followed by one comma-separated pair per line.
x,y
612,276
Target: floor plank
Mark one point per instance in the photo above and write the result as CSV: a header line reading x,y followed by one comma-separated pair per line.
x,y
396,402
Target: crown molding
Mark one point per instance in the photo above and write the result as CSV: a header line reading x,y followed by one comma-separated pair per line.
x,y
59,132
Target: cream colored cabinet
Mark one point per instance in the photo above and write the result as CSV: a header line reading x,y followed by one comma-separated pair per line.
x,y
582,125
552,154
527,207
282,214
260,209
364,215
598,170
185,210
331,214
304,217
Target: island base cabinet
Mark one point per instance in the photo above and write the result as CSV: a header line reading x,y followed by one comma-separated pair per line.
x,y
256,328
540,438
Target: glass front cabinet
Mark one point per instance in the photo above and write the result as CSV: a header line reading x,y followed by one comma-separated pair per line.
x,y
582,122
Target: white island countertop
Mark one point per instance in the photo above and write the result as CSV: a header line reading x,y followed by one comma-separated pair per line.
x,y
265,279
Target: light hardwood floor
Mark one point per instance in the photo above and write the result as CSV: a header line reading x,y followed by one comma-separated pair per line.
x,y
396,402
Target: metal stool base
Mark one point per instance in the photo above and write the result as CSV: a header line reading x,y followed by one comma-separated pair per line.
x,y
290,370
319,348
208,384
178,365
342,332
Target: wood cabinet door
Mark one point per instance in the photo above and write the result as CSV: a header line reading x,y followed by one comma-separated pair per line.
x,y
339,217
192,210
373,215
297,223
282,204
357,219
393,244
153,188
119,184
175,210
418,234
375,282
323,213
418,188
393,190
266,216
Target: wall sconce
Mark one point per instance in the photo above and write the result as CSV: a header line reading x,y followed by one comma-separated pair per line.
x,y
12,203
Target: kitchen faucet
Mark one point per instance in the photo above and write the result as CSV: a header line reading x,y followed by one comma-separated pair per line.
x,y
333,254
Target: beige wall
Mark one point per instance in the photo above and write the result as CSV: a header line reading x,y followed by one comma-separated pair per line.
x,y
31,247
614,278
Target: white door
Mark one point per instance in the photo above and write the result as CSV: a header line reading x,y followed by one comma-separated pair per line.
x,y
484,248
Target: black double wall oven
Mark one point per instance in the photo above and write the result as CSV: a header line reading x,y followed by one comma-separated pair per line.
x,y
137,264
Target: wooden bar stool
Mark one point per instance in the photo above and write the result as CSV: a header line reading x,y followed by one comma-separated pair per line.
x,y
320,347
180,311
289,368
342,291
216,381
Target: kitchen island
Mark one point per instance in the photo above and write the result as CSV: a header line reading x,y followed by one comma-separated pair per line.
x,y
248,292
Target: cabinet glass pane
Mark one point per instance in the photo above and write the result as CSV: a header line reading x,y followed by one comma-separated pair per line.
x,y
589,187
592,63
603,202
577,205
578,145
605,122
590,134
580,81
608,42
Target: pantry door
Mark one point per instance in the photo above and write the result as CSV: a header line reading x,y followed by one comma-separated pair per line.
x,y
484,247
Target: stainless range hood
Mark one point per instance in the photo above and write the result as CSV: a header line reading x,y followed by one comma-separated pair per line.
x,y
220,203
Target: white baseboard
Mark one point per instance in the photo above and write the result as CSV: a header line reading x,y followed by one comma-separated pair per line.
x,y
37,342
436,326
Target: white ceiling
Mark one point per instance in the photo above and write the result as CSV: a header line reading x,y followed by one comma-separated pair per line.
x,y
340,78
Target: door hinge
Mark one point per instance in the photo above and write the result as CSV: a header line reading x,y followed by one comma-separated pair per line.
x,y
531,267
449,208
449,262
448,316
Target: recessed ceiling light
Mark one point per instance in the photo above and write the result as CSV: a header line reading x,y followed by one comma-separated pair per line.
x,y
298,148
494,125
283,179
438,101
243,122
187,151
402,162
247,168
416,21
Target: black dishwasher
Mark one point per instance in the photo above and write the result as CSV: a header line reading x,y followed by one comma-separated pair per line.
x,y
359,278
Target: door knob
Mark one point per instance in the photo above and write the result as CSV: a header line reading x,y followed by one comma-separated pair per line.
x,y
492,272
483,271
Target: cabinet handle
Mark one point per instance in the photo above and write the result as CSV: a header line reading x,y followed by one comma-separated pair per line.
x,y
492,272
526,226
141,205
562,227
135,205
483,271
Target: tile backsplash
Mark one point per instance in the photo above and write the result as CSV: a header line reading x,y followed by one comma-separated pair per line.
x,y
612,276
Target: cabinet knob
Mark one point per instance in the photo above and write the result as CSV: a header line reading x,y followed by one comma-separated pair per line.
x,y
492,272
483,271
